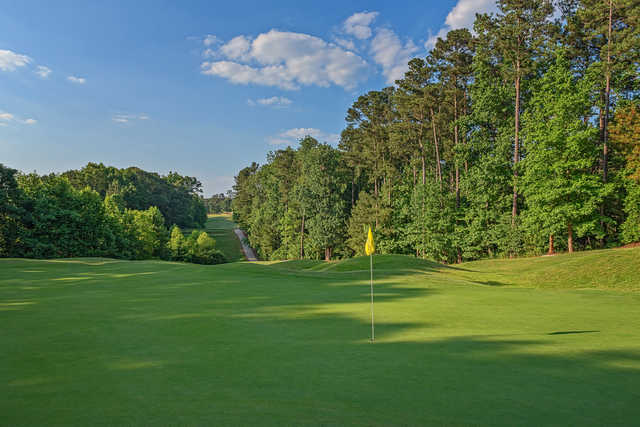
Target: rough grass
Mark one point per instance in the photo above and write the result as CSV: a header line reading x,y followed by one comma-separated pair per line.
x,y
104,342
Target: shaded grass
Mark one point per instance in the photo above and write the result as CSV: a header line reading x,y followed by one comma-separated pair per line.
x,y
95,341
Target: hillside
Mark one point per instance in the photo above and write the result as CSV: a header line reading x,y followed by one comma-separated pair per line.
x,y
612,269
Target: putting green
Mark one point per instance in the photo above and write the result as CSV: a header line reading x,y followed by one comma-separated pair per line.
x,y
103,342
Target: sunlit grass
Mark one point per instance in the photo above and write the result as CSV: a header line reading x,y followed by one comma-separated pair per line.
x,y
150,342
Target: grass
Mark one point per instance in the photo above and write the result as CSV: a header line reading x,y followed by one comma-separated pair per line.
x,y
220,227
104,342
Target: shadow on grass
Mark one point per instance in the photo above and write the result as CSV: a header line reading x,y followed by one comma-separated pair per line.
x,y
262,347
490,283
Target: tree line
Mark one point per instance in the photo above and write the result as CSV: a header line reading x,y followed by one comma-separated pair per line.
x,y
103,211
219,203
519,138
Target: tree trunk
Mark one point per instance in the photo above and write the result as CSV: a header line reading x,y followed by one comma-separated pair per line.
x,y
457,187
607,95
435,143
570,238
551,249
327,254
421,144
375,189
464,111
302,237
353,191
424,176
516,148
455,143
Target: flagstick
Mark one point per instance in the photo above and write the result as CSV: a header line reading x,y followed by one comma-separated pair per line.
x,y
373,335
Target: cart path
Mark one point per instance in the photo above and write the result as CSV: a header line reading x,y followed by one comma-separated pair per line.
x,y
249,253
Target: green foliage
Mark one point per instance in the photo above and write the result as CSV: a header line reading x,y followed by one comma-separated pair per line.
x,y
559,183
363,216
198,247
11,213
149,231
219,203
294,205
631,226
176,196
487,147
49,217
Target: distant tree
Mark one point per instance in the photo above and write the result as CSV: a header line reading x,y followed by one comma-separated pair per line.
x,y
176,244
245,190
177,197
149,230
200,248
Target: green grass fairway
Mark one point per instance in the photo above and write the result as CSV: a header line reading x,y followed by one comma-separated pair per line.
x,y
220,227
525,342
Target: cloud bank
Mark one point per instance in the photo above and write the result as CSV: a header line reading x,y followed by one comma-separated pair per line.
x,y
285,60
462,15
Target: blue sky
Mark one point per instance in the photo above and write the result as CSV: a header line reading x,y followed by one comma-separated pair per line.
x,y
199,87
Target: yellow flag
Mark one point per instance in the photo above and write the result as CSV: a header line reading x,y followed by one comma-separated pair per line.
x,y
369,247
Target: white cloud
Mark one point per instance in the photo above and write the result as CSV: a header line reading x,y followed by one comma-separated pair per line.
x,y
10,61
347,44
462,15
237,48
127,118
286,60
6,118
210,40
292,136
43,71
77,80
274,101
359,24
388,51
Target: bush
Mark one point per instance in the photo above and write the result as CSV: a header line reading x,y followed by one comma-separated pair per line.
x,y
198,248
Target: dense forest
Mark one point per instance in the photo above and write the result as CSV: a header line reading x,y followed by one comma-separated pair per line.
x,y
219,203
519,138
103,211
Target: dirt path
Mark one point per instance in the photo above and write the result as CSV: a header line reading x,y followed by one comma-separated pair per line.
x,y
248,251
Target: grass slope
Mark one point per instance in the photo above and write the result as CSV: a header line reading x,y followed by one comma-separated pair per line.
x,y
220,227
95,341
